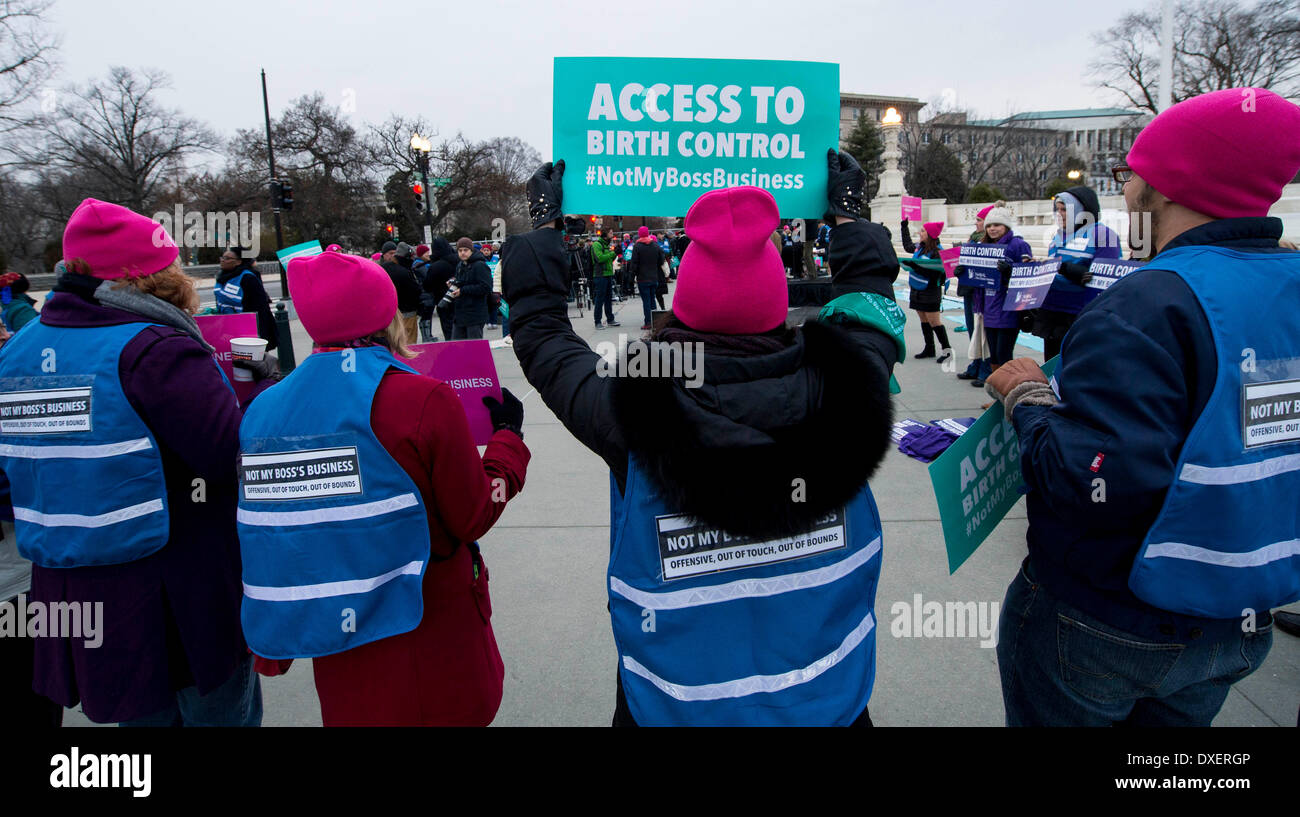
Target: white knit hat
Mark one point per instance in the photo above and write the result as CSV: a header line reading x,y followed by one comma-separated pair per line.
x,y
1001,215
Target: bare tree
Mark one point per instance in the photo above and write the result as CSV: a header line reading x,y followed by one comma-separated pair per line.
x,y
1217,44
115,138
27,50
24,231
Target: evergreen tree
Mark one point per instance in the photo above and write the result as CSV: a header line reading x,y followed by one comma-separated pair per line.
x,y
867,146
937,174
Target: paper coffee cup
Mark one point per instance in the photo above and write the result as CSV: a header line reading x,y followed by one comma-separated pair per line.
x,y
246,349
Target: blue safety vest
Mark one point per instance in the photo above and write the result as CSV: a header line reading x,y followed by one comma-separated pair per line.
x,y
1228,536
914,279
1092,241
86,474
715,629
230,295
333,532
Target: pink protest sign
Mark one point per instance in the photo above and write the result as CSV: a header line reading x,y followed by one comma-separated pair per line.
x,y
912,208
466,366
217,331
950,258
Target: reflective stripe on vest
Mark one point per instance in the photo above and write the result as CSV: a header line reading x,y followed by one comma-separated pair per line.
x,y
333,532
714,629
1227,538
74,426
230,295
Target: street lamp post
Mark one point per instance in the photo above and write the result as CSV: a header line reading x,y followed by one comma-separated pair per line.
x,y
422,146
889,194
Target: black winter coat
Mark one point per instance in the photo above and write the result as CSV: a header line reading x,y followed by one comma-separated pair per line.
x,y
728,451
645,261
256,300
475,282
408,288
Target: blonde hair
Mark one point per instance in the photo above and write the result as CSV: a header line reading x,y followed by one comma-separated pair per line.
x,y
1287,244
395,338
171,285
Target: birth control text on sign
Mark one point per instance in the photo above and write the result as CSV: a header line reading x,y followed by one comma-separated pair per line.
x,y
309,474
45,411
649,136
689,548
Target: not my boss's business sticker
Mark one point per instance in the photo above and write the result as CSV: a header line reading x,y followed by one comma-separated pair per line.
x,y
312,474
1270,412
45,411
688,548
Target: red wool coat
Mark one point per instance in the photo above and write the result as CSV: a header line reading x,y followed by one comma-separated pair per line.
x,y
447,671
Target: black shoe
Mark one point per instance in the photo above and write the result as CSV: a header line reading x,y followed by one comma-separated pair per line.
x,y
965,376
927,352
943,356
977,383
1288,623
615,323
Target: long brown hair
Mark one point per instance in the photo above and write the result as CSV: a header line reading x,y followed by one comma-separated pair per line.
x,y
171,285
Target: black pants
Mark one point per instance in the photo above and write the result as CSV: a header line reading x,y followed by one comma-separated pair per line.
x,y
21,707
623,715
474,332
1002,344
445,321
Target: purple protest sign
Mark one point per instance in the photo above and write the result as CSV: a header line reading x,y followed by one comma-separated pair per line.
x,y
1029,284
217,331
466,366
1105,273
912,208
980,265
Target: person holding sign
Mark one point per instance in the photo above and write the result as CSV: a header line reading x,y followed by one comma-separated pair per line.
x,y
358,515
1163,480
745,544
1001,326
927,290
119,436
1081,238
238,288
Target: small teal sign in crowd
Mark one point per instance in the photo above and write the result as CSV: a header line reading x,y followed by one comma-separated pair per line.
x,y
647,137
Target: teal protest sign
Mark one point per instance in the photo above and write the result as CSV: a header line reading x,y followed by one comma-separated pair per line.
x,y
647,137
977,480
306,248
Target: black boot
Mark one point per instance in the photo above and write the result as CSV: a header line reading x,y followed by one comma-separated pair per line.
x,y
945,351
927,332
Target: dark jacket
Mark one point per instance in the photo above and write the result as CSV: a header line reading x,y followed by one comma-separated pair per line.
x,y
991,301
21,311
441,269
408,288
646,258
728,451
255,300
177,611
1137,369
475,282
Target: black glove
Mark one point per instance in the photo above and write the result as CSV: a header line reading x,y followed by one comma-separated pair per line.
x,y
544,194
1004,273
846,184
268,368
1076,273
508,415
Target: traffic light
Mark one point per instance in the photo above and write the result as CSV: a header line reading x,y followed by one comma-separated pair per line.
x,y
420,204
281,195
287,195
388,228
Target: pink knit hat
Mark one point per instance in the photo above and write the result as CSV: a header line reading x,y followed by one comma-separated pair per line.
x,y
642,231
731,280
933,228
984,212
116,242
376,256
341,297
1225,154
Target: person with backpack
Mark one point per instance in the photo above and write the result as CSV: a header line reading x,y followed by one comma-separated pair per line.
x,y
1161,493
732,600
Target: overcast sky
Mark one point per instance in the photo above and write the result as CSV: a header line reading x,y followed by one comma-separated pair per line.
x,y
483,67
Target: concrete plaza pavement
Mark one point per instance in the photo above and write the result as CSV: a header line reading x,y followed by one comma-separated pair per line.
x,y
547,556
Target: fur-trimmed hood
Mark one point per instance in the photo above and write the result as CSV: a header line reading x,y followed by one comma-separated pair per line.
x,y
732,452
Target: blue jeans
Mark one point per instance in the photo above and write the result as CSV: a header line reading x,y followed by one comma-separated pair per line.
x,y
237,702
648,299
1062,667
604,297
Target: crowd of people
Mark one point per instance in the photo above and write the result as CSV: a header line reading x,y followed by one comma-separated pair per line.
x,y
1127,611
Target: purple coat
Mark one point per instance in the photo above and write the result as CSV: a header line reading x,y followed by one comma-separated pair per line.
x,y
994,316
171,619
